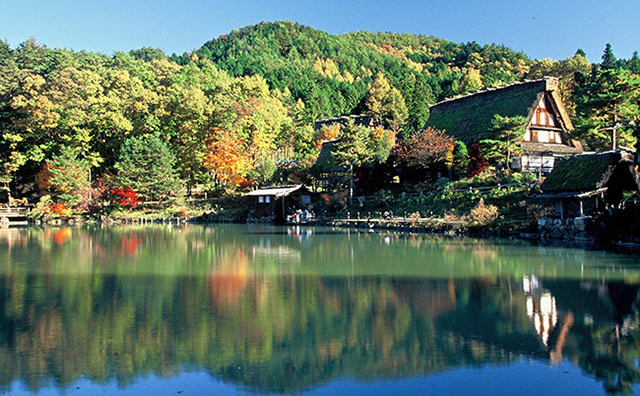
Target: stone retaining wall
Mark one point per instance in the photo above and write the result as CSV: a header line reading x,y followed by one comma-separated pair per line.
x,y
575,228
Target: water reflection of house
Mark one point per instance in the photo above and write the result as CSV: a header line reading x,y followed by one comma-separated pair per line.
x,y
279,253
550,326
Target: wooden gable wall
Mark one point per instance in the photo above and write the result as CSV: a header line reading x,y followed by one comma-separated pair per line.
x,y
544,125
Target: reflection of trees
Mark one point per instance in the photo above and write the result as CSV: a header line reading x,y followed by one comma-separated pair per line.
x,y
105,308
286,333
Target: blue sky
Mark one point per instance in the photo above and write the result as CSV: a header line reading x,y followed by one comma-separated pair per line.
x,y
541,29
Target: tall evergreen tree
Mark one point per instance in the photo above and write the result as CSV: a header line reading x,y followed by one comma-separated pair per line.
x,y
605,102
147,166
608,59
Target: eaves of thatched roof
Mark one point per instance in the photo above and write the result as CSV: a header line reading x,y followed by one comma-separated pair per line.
x,y
548,148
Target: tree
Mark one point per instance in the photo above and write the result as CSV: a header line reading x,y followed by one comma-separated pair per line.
x,y
425,149
147,166
67,178
461,158
418,106
471,81
507,132
605,100
353,150
386,104
226,159
609,60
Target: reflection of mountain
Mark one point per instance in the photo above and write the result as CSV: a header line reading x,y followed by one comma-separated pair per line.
x,y
122,303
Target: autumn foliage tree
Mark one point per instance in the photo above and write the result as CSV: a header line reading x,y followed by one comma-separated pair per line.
x,y
126,197
424,150
226,159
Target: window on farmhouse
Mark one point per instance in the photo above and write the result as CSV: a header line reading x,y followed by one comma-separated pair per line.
x,y
261,199
267,199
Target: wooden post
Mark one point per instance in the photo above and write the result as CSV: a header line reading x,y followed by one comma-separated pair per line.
x,y
581,209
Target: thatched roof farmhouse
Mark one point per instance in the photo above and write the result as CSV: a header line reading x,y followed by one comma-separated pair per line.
x,y
548,134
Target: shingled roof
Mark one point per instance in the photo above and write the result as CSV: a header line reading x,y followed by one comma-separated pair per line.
x,y
589,172
468,117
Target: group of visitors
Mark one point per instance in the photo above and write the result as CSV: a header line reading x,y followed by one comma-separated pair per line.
x,y
301,215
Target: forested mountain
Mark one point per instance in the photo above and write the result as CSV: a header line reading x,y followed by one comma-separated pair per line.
x,y
222,115
332,73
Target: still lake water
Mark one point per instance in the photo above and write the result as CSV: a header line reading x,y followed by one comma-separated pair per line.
x,y
258,309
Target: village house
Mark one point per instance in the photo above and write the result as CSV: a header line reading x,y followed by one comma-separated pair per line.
x,y
586,184
583,186
276,203
329,174
548,132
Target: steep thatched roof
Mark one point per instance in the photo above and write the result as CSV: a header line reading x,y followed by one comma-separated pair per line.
x,y
468,117
588,172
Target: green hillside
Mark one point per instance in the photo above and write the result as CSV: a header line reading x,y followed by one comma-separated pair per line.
x,y
332,73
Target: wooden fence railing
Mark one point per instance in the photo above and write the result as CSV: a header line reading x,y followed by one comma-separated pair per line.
x,y
14,211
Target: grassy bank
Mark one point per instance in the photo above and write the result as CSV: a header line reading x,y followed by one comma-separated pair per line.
x,y
495,202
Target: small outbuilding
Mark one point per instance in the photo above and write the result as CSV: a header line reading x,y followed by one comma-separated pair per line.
x,y
275,203
585,184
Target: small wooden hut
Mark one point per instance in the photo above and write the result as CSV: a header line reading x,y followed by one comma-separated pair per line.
x,y
585,184
275,203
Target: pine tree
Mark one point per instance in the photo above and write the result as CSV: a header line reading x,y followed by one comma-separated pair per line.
x,y
503,145
604,101
68,178
634,63
608,59
147,166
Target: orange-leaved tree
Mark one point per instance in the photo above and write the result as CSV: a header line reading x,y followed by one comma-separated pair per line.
x,y
226,159
425,149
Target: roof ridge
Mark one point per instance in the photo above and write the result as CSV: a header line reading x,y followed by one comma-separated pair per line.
x,y
491,89
343,117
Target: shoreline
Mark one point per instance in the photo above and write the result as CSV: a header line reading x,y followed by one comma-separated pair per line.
x,y
386,227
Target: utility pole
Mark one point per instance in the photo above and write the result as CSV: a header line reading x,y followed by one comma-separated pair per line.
x,y
351,185
614,131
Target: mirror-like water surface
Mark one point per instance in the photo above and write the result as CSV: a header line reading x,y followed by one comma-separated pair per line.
x,y
259,309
